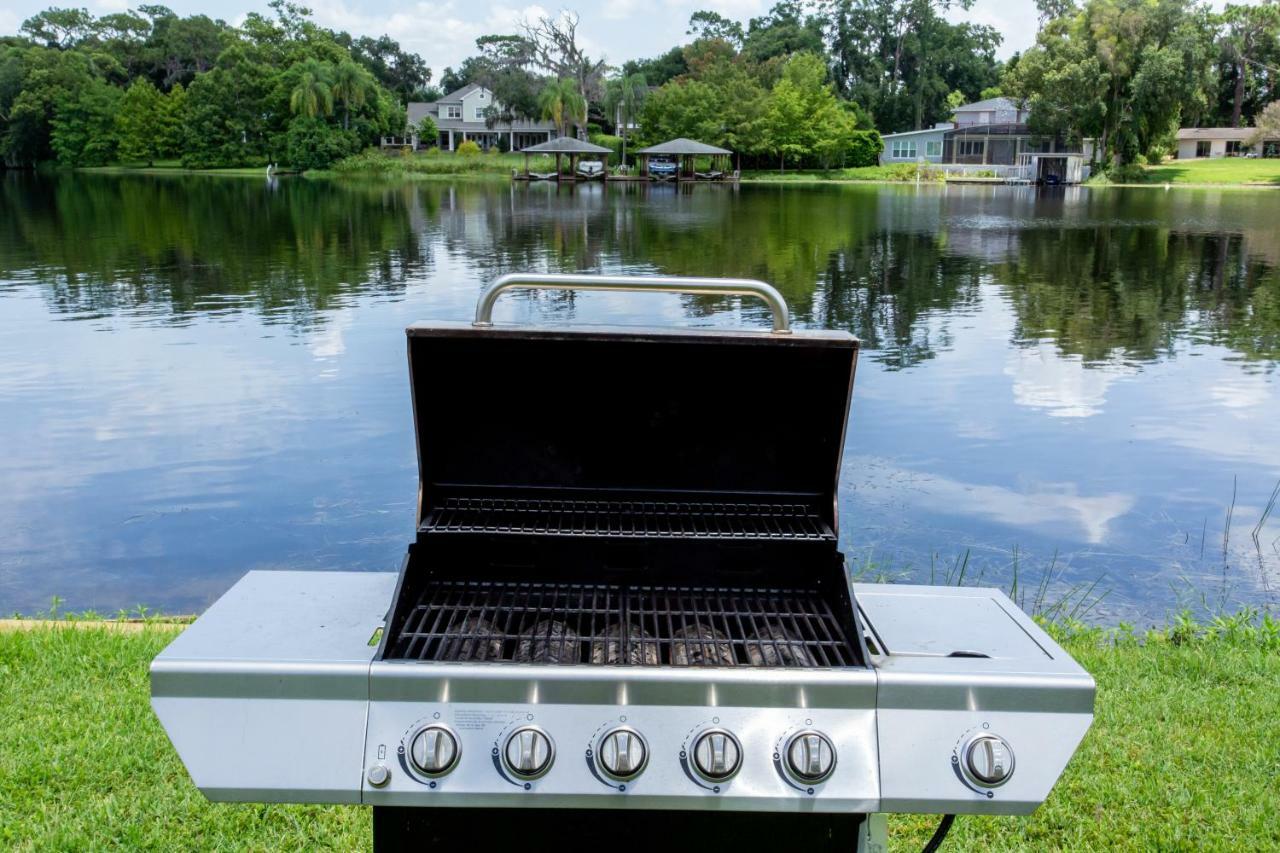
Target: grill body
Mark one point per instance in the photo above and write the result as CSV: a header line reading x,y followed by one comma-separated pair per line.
x,y
622,531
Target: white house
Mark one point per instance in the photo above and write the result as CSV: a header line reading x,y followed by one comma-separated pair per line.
x,y
1201,142
993,136
914,146
460,115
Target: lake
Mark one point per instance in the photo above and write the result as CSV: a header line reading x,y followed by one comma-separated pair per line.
x,y
202,375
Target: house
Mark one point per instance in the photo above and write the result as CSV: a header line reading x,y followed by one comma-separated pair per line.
x,y
991,135
460,115
1200,142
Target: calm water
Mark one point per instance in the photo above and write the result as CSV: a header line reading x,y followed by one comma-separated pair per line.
x,y
202,376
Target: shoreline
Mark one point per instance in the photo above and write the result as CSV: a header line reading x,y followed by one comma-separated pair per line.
x,y
757,178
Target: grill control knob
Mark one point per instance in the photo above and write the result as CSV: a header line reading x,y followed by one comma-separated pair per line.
x,y
434,750
988,760
810,756
623,753
529,752
717,755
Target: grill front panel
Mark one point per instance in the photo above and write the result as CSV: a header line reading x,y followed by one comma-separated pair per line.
x,y
625,625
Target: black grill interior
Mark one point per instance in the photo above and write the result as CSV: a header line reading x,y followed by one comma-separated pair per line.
x,y
625,625
629,518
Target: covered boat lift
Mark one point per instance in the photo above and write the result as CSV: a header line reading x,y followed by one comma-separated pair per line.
x,y
561,146
684,150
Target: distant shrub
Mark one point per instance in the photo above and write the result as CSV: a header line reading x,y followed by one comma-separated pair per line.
x,y
613,143
371,161
1127,174
310,143
864,148
468,148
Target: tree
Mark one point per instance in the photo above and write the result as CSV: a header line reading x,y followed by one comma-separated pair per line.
x,y
686,107
402,73
561,102
660,69
172,130
225,115
902,58
140,122
803,117
351,85
1249,30
311,143
1123,71
625,96
553,46
713,25
312,95
84,132
1268,125
428,132
59,28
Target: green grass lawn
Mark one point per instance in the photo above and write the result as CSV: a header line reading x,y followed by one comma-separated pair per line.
x,y
875,174
1223,170
1184,755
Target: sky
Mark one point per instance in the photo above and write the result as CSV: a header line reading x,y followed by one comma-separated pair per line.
x,y
443,32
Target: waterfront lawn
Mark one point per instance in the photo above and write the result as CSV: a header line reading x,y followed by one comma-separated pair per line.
x,y
873,174
1184,754
436,163
1222,170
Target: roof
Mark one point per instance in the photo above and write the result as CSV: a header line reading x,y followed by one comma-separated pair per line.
x,y
938,130
459,94
1241,133
988,104
683,146
566,145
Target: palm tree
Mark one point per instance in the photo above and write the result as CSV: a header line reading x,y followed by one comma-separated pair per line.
x,y
627,94
561,102
351,85
312,96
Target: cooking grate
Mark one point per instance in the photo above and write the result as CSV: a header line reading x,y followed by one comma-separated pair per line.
x,y
662,519
625,625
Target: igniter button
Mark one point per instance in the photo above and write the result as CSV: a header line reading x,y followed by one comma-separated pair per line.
x,y
378,775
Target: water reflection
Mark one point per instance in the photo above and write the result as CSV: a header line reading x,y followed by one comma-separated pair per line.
x,y
1071,370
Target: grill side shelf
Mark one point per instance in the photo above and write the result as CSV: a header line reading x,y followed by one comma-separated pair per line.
x,y
629,519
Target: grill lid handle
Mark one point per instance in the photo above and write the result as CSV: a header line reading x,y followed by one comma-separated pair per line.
x,y
656,283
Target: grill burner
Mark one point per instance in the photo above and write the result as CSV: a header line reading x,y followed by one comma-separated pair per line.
x,y
488,621
648,519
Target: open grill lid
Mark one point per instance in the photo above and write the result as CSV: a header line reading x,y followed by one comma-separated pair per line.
x,y
629,432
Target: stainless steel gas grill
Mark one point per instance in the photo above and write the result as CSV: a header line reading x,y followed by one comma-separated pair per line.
x,y
624,597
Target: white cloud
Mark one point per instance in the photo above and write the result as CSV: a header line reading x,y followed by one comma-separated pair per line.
x,y
1016,22
1044,507
1061,385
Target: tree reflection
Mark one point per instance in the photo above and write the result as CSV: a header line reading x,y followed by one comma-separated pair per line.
x,y
174,246
1101,274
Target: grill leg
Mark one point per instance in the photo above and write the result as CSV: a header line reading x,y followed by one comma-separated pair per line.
x,y
562,830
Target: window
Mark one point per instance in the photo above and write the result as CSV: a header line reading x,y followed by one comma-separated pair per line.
x,y
1202,148
933,148
454,111
1235,148
969,147
479,113
903,149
